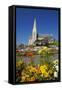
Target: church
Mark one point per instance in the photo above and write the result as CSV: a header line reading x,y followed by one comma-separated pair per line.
x,y
39,40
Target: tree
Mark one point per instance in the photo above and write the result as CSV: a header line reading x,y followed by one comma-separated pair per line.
x,y
21,46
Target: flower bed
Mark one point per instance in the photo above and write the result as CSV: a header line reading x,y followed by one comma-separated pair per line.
x,y
46,70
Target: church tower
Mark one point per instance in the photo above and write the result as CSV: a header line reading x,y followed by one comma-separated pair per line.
x,y
34,33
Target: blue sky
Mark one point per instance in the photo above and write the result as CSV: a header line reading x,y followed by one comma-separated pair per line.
x,y
46,21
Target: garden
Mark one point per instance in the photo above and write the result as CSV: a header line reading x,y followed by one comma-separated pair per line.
x,y
45,69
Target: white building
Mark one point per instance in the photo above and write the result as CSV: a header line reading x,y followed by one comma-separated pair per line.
x,y
37,40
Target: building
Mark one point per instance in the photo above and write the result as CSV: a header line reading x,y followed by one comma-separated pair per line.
x,y
34,34
44,40
39,40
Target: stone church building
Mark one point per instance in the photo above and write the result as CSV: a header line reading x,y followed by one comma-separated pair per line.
x,y
39,40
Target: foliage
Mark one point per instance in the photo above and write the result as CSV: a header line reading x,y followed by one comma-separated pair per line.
x,y
46,70
55,43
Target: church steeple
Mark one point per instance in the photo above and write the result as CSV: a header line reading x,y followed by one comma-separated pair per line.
x,y
34,26
34,33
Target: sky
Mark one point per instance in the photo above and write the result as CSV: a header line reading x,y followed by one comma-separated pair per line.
x,y
46,23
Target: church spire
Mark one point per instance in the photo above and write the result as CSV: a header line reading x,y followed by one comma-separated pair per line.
x,y
34,33
34,26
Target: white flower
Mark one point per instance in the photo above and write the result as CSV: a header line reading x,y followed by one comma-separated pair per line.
x,y
57,68
56,74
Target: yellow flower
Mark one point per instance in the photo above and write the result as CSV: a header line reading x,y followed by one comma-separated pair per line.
x,y
23,78
46,74
43,68
43,50
23,73
33,78
39,52
27,79
50,72
19,63
31,68
27,76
